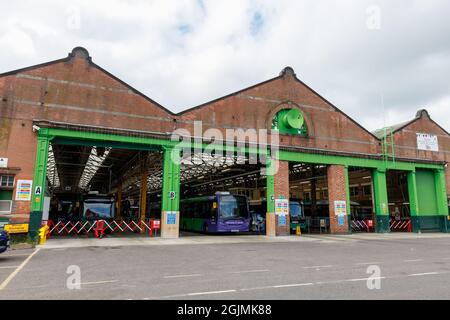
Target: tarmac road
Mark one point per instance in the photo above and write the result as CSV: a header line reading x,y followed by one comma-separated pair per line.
x,y
315,267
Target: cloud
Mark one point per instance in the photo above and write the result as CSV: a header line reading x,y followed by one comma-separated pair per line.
x,y
185,52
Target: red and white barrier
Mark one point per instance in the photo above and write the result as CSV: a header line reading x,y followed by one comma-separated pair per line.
x,y
401,225
365,225
98,227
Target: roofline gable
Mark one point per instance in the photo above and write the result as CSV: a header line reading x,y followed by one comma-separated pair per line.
x,y
82,53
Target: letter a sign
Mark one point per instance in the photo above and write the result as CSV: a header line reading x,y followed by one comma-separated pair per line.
x,y
38,190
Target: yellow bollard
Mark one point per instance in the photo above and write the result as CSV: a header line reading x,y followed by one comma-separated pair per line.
x,y
298,231
43,234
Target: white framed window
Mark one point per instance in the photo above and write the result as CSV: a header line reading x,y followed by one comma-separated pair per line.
x,y
7,181
5,206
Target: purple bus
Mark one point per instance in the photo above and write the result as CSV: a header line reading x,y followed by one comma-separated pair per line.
x,y
220,213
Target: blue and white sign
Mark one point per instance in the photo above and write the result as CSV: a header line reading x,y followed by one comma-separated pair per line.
x,y
341,220
171,218
282,220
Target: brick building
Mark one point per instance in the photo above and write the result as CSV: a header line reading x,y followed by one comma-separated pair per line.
x,y
58,115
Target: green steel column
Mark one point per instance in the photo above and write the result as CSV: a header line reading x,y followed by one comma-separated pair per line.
x,y
347,198
271,228
176,175
441,196
170,214
40,171
381,200
270,180
413,201
171,180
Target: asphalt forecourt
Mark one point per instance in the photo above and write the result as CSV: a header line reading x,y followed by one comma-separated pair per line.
x,y
358,267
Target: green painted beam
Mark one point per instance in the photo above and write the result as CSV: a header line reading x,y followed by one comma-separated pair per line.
x,y
381,200
352,161
347,199
171,180
441,192
54,133
91,138
40,172
270,181
104,143
412,193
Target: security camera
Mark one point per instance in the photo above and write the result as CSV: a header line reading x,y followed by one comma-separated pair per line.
x,y
36,128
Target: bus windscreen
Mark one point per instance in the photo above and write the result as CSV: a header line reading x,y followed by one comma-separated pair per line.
x,y
98,209
233,207
295,209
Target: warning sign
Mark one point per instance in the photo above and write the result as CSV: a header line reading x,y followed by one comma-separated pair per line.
x,y
340,208
16,228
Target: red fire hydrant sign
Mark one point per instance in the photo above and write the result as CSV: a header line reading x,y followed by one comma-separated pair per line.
x,y
154,224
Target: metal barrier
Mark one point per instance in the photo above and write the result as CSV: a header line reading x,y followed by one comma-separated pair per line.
x,y
95,226
400,225
317,224
362,225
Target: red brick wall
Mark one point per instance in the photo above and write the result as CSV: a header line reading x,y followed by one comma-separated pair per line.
x,y
254,108
406,142
281,182
336,192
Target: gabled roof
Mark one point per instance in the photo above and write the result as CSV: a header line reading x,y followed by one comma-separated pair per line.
x,y
287,71
423,113
81,52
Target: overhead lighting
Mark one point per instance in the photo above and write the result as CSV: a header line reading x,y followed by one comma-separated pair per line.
x,y
93,163
52,170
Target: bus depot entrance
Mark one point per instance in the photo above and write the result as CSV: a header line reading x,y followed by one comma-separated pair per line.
x,y
96,189
361,200
309,205
398,201
222,195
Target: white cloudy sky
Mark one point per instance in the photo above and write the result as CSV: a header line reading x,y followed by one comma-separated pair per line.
x,y
185,52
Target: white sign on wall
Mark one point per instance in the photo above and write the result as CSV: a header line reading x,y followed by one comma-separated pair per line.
x,y
428,142
3,162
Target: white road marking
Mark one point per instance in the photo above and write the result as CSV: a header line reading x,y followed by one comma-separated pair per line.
x,y
251,271
318,267
422,274
209,292
98,282
413,260
20,267
362,279
16,255
367,263
8,267
182,276
293,285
